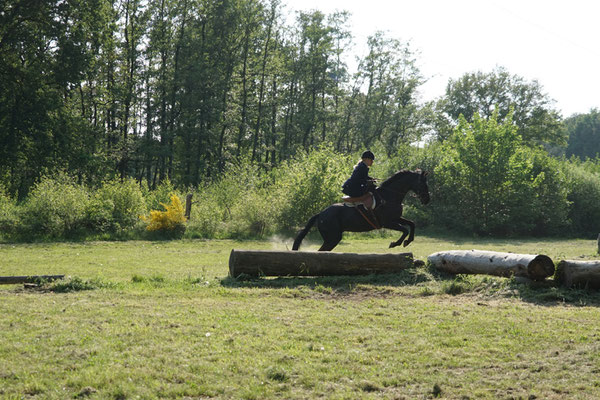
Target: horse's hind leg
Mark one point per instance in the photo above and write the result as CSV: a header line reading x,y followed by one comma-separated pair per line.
x,y
330,240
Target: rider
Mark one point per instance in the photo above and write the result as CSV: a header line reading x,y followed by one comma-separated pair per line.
x,y
358,184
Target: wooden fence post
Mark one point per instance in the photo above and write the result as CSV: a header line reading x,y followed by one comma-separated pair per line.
x,y
188,205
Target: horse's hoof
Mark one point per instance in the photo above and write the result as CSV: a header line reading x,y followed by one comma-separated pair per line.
x,y
392,245
406,243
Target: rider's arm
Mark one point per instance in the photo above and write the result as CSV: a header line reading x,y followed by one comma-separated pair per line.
x,y
361,172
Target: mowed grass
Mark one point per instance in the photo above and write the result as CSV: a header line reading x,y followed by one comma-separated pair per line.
x,y
163,320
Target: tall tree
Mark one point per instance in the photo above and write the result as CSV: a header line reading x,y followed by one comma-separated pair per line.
x,y
135,17
389,111
483,93
45,52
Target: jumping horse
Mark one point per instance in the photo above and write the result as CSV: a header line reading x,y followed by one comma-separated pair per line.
x,y
339,218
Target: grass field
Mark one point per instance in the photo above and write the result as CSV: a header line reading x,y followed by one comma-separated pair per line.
x,y
163,320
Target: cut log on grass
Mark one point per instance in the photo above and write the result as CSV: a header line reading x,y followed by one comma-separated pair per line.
x,y
13,280
304,263
536,267
583,274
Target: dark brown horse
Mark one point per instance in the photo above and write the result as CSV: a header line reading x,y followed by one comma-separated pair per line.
x,y
339,218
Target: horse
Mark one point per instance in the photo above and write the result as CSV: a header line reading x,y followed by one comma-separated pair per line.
x,y
339,218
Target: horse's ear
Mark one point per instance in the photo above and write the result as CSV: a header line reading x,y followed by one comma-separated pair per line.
x,y
425,173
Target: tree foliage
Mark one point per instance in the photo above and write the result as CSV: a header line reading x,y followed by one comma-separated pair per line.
x,y
180,91
134,99
492,182
499,91
583,131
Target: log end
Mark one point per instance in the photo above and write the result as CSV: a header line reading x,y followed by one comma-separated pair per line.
x,y
232,256
560,275
540,268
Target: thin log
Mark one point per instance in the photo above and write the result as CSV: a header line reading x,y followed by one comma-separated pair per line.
x,y
13,280
584,274
535,267
305,263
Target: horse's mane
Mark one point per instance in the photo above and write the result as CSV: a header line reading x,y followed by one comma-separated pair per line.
x,y
395,177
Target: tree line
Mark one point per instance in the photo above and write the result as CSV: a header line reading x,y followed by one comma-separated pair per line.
x,y
183,90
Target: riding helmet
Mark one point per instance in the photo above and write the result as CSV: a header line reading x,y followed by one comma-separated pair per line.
x,y
368,154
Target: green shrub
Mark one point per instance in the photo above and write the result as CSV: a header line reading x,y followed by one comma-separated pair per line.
x,y
56,207
99,214
310,183
247,202
583,193
206,220
543,204
8,213
219,207
161,195
256,214
489,182
126,200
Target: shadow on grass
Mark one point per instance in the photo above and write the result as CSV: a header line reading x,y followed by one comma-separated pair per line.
x,y
550,293
404,278
427,281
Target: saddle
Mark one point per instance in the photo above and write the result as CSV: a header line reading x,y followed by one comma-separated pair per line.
x,y
367,200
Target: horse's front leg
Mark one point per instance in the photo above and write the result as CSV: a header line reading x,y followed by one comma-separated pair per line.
x,y
400,228
411,227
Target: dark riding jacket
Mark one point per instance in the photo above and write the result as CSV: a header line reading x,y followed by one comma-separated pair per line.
x,y
358,182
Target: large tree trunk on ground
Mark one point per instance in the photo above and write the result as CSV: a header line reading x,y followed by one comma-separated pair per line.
x,y
585,274
295,263
536,267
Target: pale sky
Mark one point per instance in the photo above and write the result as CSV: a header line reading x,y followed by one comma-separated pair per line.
x,y
555,42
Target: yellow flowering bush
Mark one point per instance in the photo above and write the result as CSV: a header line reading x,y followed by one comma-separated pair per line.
x,y
171,220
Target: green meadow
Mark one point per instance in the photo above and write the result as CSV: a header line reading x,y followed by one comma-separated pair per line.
x,y
162,320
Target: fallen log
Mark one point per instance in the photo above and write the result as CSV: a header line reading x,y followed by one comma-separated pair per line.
x,y
584,274
536,267
296,263
13,280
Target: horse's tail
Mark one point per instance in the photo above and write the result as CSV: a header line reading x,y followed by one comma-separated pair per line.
x,y
304,231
